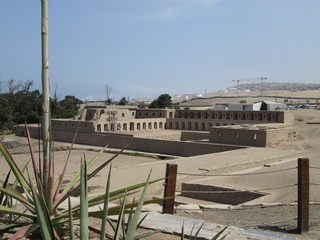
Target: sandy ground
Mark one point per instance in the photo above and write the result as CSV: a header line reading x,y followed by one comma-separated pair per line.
x,y
308,135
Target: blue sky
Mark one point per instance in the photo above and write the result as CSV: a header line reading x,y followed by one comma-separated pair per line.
x,y
143,48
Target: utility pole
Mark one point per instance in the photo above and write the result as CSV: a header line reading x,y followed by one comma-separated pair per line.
x,y
45,91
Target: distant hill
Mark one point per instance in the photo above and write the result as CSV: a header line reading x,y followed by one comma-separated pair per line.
x,y
274,86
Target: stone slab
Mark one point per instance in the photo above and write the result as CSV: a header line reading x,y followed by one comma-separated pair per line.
x,y
172,224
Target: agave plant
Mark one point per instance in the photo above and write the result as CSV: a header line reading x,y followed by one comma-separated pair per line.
x,y
124,230
39,213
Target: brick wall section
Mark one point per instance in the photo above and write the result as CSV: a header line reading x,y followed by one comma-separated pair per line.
x,y
251,136
177,148
201,120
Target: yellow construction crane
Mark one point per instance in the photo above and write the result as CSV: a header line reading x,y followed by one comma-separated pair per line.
x,y
261,79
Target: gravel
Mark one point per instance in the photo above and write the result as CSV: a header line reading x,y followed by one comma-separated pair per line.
x,y
278,219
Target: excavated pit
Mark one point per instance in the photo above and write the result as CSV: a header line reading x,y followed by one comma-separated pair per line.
x,y
218,194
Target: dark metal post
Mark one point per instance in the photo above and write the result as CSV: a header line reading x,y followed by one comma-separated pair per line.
x,y
170,188
303,195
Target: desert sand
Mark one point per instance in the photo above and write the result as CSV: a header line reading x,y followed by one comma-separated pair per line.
x,y
129,169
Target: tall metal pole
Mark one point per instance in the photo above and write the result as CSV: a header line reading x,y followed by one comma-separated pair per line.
x,y
45,91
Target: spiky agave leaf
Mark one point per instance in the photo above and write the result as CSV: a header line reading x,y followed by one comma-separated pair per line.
x,y
190,237
132,226
71,230
98,169
117,233
182,231
25,231
219,234
4,185
43,217
197,233
74,184
145,235
111,211
84,231
15,170
11,192
61,177
11,211
33,157
105,208
127,190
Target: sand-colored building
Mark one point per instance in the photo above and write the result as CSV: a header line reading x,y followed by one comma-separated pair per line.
x,y
102,118
193,124
203,120
123,118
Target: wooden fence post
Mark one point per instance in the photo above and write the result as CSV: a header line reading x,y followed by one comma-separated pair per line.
x,y
303,195
170,188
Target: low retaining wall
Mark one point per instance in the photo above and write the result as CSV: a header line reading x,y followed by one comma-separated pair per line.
x,y
262,136
189,136
184,149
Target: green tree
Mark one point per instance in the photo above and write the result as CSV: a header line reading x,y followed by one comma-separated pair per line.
x,y
242,101
66,108
123,101
163,101
19,104
6,111
142,105
27,107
